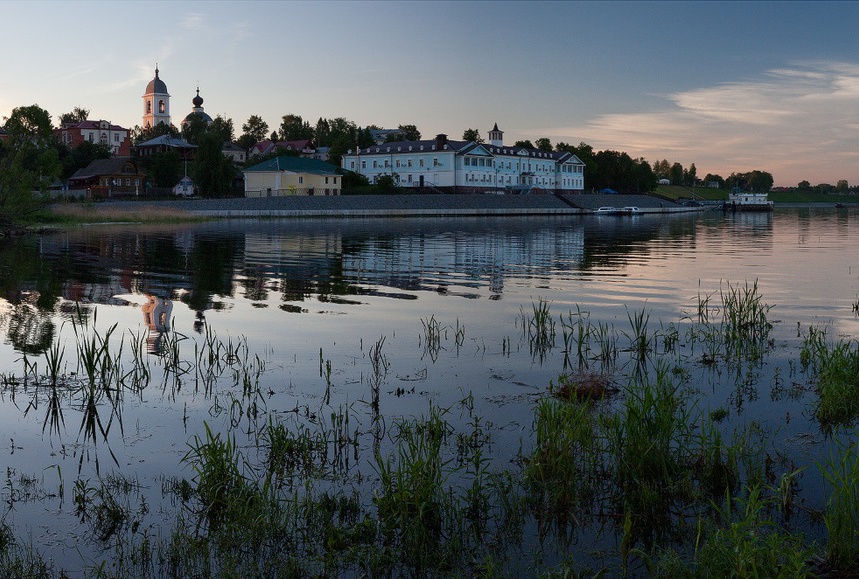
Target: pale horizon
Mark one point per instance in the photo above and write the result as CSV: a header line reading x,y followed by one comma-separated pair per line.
x,y
730,87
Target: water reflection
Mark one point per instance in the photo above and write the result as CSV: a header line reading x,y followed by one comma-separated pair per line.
x,y
284,264
156,316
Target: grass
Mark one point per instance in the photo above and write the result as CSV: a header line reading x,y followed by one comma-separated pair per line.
x,y
86,213
622,453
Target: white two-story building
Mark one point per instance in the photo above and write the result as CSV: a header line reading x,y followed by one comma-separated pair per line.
x,y
469,167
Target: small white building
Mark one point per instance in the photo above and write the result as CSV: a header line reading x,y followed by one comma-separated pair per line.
x,y
468,167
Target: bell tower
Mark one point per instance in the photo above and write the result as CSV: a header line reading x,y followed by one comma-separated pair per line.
x,y
156,103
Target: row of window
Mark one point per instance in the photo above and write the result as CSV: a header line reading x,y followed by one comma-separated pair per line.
x,y
105,182
471,162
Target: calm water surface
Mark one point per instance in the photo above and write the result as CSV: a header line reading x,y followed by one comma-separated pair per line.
x,y
308,292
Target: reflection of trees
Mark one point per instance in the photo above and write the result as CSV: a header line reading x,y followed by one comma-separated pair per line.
x,y
28,329
211,265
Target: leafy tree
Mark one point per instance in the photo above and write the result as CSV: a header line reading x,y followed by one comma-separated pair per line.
x,y
472,135
410,132
365,138
246,141
28,163
139,135
212,171
255,129
194,128
294,128
526,143
691,175
385,183
804,185
710,178
544,144
662,169
81,156
322,134
676,174
841,186
77,115
162,169
274,136
223,127
759,181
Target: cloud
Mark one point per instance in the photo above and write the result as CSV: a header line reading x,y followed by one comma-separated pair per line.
x,y
798,122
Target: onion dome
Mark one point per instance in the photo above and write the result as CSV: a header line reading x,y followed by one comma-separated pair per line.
x,y
156,85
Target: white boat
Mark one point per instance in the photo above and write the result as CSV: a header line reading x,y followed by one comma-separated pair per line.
x,y
630,210
744,201
607,211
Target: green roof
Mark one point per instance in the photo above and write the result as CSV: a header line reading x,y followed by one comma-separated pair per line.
x,y
295,165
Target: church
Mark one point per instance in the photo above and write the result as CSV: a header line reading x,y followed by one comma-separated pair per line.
x,y
156,105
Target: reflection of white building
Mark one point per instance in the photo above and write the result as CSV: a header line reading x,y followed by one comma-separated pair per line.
x,y
469,167
427,261
156,316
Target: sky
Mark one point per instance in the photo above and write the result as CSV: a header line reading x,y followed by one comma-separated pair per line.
x,y
730,87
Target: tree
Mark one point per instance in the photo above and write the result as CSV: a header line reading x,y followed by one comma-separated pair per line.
x,y
223,127
255,129
385,183
77,115
691,175
841,186
193,128
711,178
410,132
81,156
294,128
804,185
544,144
28,163
212,171
676,174
139,135
526,143
472,135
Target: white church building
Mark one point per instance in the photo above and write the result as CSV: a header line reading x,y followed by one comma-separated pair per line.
x,y
468,167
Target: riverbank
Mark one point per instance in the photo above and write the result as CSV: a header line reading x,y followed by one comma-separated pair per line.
x,y
363,206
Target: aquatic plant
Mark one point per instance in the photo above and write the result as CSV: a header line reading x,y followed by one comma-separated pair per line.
x,y
841,517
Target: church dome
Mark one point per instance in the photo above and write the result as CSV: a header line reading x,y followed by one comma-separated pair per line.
x,y
156,85
197,101
199,114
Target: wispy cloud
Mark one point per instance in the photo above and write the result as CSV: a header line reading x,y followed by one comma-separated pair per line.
x,y
798,122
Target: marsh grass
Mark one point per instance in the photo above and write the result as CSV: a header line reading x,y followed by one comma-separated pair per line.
x,y
618,448
83,213
841,472
835,368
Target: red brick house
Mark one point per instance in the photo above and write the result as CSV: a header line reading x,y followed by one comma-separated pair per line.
x,y
114,136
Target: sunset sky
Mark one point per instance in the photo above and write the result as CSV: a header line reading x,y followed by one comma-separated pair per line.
x,y
727,86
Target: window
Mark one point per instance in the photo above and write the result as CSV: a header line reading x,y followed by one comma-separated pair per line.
x,y
326,180
409,163
148,107
375,165
161,106
363,164
435,162
127,182
352,164
116,137
334,180
421,162
300,180
91,138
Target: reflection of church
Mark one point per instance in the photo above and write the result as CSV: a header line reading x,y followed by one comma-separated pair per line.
x,y
156,316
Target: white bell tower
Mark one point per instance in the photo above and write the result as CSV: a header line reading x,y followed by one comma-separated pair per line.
x,y
156,103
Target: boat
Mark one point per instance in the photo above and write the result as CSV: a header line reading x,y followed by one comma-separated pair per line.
x,y
630,210
745,201
608,211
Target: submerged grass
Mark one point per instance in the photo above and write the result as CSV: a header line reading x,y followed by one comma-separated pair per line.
x,y
619,451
